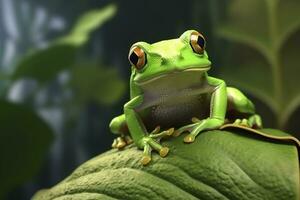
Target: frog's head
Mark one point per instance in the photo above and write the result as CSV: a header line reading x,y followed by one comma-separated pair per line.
x,y
186,53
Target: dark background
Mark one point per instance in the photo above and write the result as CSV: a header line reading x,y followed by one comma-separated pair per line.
x,y
56,101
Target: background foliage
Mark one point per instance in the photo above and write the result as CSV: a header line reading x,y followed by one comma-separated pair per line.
x,y
270,48
64,72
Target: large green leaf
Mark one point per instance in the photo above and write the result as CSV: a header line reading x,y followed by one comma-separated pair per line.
x,y
290,76
288,19
99,84
43,65
24,141
243,27
218,165
268,27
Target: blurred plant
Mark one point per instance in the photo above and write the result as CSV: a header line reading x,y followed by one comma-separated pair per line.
x,y
25,137
24,25
266,65
43,65
100,85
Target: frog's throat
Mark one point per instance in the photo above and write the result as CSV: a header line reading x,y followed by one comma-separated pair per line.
x,y
166,74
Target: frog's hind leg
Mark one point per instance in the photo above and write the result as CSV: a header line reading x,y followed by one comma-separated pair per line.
x,y
241,110
118,126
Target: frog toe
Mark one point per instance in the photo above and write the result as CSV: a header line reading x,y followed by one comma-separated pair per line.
x,y
245,123
189,138
242,122
255,121
114,144
237,122
149,145
128,140
120,143
145,160
163,152
156,135
187,128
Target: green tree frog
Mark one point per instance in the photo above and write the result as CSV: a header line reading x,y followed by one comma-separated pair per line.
x,y
171,93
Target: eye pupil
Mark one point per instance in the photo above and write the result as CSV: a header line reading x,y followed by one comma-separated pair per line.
x,y
134,58
201,41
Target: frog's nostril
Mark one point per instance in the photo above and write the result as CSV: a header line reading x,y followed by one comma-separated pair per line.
x,y
164,61
171,59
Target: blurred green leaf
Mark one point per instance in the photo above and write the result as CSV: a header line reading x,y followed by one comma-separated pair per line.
x,y
4,76
288,19
92,20
24,141
251,75
290,70
98,84
243,27
234,34
43,65
88,23
267,27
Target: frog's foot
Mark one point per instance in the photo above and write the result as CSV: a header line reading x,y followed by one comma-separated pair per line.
x,y
253,121
121,142
201,125
152,142
242,122
155,134
187,128
198,126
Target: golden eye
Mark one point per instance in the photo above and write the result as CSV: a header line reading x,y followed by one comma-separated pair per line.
x,y
137,57
197,42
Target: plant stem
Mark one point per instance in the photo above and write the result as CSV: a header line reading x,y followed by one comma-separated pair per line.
x,y
274,59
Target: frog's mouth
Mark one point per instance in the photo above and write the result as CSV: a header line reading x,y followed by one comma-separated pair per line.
x,y
187,75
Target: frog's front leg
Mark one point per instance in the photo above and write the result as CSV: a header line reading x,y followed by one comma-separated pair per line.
x,y
140,136
218,106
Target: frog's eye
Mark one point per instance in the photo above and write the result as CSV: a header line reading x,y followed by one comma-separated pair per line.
x,y
197,42
137,57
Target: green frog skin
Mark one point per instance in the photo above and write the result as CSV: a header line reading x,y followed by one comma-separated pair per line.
x,y
171,93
